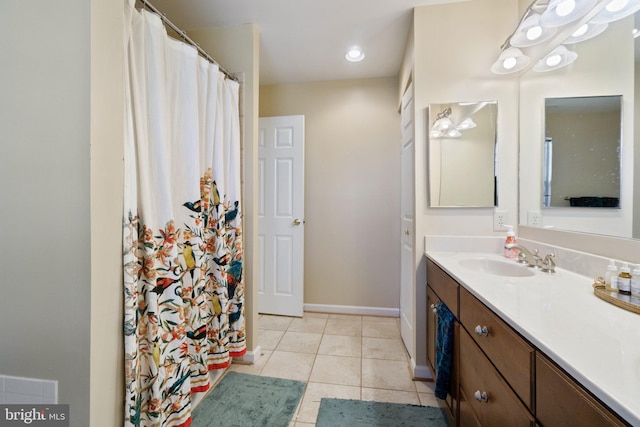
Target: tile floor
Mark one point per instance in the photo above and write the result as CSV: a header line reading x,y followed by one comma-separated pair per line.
x,y
340,356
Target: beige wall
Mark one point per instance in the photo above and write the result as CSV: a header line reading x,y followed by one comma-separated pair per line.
x,y
454,47
44,170
107,132
352,187
237,49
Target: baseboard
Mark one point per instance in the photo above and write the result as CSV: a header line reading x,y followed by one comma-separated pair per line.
x,y
421,372
352,309
250,357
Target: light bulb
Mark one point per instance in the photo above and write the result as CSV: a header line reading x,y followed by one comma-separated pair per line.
x,y
553,60
565,7
580,31
509,63
354,54
616,5
534,33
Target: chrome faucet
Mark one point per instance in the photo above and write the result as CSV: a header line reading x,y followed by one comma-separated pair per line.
x,y
549,265
531,259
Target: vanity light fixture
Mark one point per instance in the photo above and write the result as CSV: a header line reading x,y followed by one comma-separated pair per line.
x,y
354,54
615,10
511,60
442,122
546,25
586,32
467,124
444,127
562,12
530,32
436,134
557,58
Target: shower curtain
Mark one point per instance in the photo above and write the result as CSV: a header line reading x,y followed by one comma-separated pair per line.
x,y
182,236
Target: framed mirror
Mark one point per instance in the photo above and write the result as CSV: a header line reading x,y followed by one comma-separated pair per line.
x,y
581,152
462,154
599,71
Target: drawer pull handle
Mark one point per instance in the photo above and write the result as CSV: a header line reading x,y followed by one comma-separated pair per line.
x,y
433,307
482,330
481,396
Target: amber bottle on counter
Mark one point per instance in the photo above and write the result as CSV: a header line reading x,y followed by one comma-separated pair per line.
x,y
624,280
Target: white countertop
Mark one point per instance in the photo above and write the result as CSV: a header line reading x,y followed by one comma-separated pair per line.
x,y
594,341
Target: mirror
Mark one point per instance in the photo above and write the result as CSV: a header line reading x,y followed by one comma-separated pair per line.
x,y
462,154
581,152
605,66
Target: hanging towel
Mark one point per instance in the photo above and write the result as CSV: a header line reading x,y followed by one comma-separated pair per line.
x,y
444,350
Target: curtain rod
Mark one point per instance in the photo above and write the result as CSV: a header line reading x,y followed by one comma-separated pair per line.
x,y
183,35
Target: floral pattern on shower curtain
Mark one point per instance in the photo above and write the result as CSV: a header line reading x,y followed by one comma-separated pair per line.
x,y
182,234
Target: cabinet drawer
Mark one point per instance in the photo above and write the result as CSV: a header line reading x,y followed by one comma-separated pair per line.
x,y
467,416
559,398
509,352
502,407
443,285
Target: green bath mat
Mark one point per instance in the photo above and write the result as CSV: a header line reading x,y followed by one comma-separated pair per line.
x,y
360,413
243,400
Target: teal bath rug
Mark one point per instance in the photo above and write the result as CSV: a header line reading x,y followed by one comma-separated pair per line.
x,y
360,413
243,400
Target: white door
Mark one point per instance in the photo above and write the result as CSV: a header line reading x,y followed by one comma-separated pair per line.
x,y
407,270
281,215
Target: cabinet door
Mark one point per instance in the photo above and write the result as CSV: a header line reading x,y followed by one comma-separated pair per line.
x,y
559,398
478,376
432,318
443,285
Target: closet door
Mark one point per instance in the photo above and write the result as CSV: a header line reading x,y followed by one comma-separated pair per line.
x,y
407,237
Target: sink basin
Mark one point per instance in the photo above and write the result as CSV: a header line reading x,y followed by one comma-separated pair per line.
x,y
496,267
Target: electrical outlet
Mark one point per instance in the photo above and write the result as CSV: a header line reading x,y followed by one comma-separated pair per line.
x,y
534,218
500,218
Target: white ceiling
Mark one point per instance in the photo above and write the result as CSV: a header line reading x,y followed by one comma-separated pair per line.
x,y
306,40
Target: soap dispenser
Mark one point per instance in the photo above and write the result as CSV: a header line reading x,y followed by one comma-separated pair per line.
x,y
511,240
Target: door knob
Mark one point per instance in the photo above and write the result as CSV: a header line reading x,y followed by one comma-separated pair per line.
x,y
296,222
406,232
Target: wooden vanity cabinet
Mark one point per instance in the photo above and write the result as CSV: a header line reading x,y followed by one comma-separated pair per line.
x,y
560,398
522,386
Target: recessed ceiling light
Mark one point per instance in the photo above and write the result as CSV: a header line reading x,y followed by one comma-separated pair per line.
x,y
354,54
